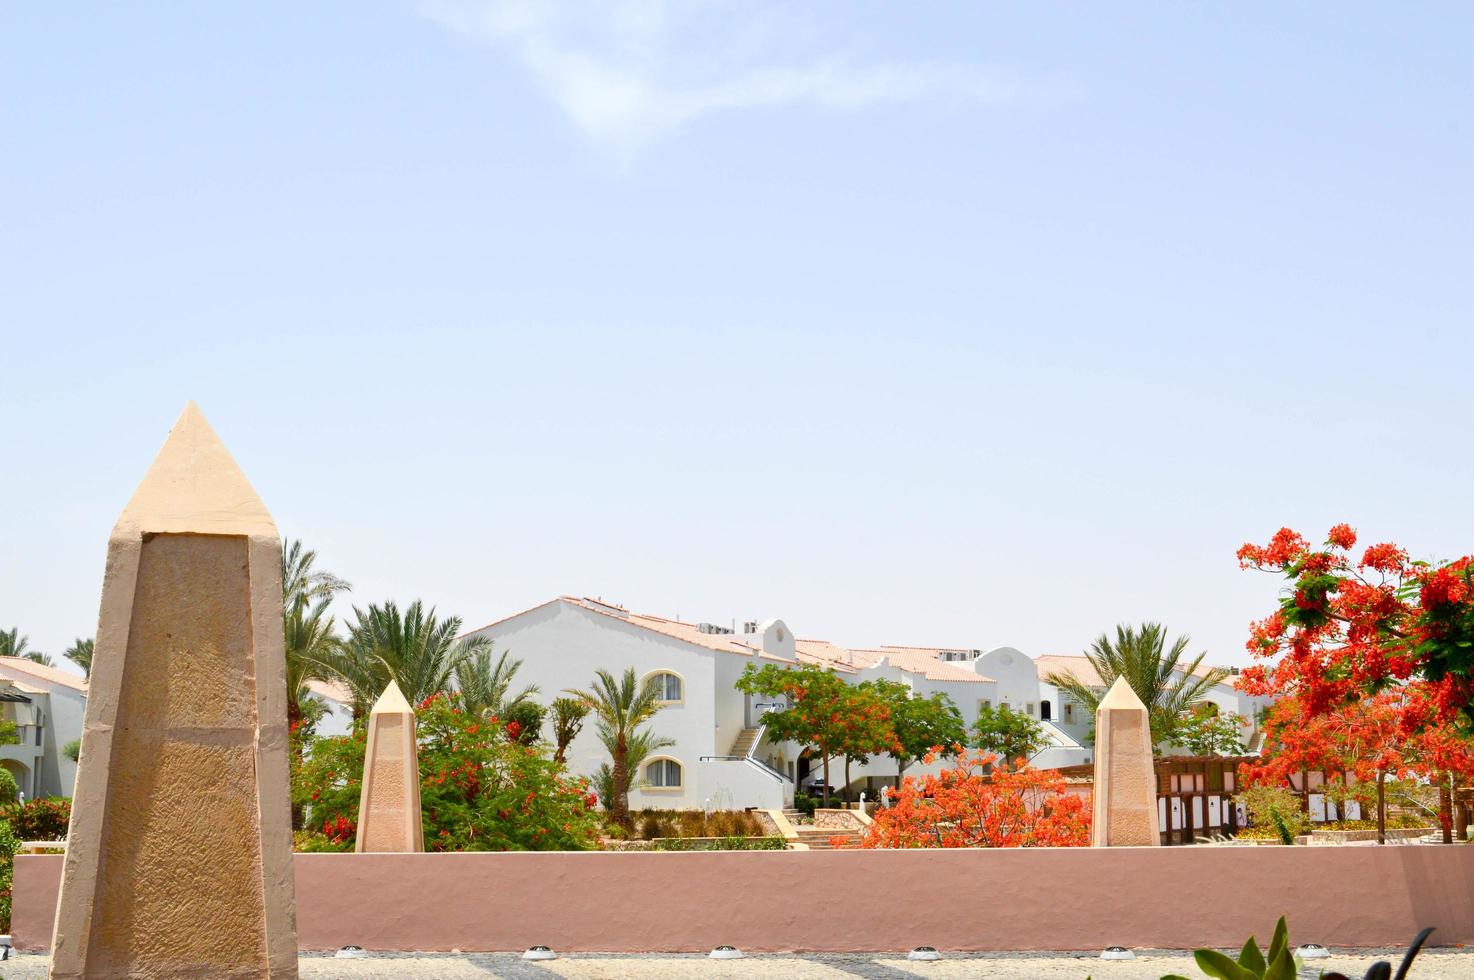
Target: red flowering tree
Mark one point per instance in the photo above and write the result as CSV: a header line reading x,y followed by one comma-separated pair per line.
x,y
1347,627
482,787
837,718
966,805
1358,746
1383,642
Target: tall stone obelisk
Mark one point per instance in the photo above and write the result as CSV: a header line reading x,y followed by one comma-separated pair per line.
x,y
179,857
1125,793
389,802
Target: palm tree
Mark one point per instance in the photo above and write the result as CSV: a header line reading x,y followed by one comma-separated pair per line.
x,y
308,632
568,717
12,644
415,649
80,653
1141,656
621,706
44,659
641,744
485,686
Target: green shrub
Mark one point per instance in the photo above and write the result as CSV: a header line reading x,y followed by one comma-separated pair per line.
x,y
1263,802
9,842
805,804
42,819
721,844
9,792
72,749
479,791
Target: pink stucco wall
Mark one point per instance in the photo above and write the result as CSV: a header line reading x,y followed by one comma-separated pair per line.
x,y
1165,897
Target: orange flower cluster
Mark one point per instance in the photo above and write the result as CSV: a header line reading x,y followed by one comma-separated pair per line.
x,y
972,804
1350,628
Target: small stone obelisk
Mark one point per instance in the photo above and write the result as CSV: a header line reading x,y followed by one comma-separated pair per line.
x,y
389,802
1125,793
179,857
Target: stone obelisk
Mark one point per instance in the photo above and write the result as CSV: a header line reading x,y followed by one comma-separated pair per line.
x,y
1125,793
179,857
389,803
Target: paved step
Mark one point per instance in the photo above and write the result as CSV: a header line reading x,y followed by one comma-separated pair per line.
x,y
744,742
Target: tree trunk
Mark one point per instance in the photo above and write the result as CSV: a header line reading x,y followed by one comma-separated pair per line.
x,y
1446,808
620,808
900,773
847,782
1381,808
826,780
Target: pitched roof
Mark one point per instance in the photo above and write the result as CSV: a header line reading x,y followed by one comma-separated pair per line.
x,y
912,660
924,661
51,675
334,691
673,628
1076,667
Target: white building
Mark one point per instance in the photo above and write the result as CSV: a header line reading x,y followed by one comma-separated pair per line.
x,y
46,704
1067,715
721,753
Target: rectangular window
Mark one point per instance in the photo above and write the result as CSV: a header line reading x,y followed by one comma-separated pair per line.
x,y
1069,711
1029,709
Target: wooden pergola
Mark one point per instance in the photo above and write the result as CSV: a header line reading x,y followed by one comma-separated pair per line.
x,y
1195,788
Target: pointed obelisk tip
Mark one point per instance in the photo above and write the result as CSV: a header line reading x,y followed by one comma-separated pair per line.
x,y
391,701
1121,696
195,486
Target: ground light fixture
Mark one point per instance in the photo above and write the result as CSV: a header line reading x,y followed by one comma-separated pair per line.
x,y
1312,951
924,953
725,953
350,953
539,953
1117,953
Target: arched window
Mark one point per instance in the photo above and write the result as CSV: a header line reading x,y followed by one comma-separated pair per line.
x,y
669,688
663,774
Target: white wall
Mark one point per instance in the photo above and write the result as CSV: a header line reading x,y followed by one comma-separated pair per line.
x,y
561,644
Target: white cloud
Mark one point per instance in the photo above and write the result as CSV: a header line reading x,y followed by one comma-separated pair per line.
x,y
626,71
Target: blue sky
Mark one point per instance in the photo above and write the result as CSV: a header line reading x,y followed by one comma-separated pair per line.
x,y
965,324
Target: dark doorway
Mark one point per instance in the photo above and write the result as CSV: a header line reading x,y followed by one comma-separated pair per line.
x,y
1044,710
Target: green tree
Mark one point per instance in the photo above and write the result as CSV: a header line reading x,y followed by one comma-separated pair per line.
x,y
479,790
641,745
1141,655
621,706
866,729
44,659
919,723
818,700
1206,731
12,644
527,717
486,687
309,634
415,649
568,717
80,653
1014,737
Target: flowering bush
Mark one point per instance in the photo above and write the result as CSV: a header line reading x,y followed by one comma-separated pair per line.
x,y
45,818
966,805
481,788
9,842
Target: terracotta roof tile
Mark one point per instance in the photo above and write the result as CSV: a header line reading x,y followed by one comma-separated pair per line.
x,y
52,675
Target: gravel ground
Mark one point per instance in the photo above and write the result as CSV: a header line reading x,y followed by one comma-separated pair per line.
x,y
1435,964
